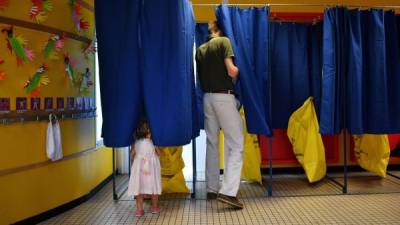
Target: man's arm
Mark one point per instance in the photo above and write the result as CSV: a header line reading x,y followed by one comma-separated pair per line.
x,y
233,71
198,66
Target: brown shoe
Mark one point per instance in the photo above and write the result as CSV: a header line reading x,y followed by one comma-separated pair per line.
x,y
230,200
211,195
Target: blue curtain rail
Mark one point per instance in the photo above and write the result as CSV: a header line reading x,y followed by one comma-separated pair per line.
x,y
42,115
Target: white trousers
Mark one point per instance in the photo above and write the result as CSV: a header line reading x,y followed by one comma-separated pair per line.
x,y
220,111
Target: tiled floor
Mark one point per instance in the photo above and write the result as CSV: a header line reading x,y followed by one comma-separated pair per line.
x,y
295,202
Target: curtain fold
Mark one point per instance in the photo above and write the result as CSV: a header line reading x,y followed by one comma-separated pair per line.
x,y
360,72
295,68
247,30
121,96
146,70
333,70
167,68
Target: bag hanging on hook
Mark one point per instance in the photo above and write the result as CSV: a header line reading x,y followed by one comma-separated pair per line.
x,y
307,141
53,139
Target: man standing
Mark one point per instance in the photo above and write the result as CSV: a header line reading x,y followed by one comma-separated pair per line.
x,y
217,73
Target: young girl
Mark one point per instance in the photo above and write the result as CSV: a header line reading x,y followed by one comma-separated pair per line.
x,y
146,171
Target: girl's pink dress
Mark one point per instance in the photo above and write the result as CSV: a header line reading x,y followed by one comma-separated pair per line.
x,y
146,171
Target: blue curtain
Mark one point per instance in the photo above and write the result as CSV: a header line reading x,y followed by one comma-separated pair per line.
x,y
201,36
333,69
201,33
295,68
360,72
120,87
398,27
247,30
167,64
145,60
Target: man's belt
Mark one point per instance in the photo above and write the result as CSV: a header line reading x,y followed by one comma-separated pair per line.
x,y
223,92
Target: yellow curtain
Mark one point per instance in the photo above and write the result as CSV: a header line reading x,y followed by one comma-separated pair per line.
x,y
372,152
303,133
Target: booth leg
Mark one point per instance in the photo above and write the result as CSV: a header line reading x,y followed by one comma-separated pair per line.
x,y
194,168
270,167
114,176
345,175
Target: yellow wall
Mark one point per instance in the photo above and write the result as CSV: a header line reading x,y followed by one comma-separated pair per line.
x,y
36,190
204,14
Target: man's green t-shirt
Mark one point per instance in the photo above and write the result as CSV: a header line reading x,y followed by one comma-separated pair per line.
x,y
210,58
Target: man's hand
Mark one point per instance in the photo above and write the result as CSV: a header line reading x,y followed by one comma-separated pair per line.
x,y
233,71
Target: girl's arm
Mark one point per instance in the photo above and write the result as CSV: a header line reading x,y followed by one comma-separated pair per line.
x,y
158,151
133,151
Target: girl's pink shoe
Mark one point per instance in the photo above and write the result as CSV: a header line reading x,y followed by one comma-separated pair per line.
x,y
155,210
139,212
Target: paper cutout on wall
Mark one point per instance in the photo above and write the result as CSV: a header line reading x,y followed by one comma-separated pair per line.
x,y
4,105
19,45
33,85
60,104
90,49
39,10
53,46
21,104
86,103
3,4
69,67
85,82
79,103
92,104
48,103
79,22
2,73
70,103
35,103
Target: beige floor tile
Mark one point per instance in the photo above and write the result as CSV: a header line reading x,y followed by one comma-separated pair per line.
x,y
371,200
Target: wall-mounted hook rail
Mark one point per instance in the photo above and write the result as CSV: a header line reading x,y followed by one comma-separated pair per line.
x,y
42,115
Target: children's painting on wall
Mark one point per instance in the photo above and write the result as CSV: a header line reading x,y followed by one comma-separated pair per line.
x,y
86,103
48,103
4,105
79,103
91,103
35,103
60,104
70,103
21,104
